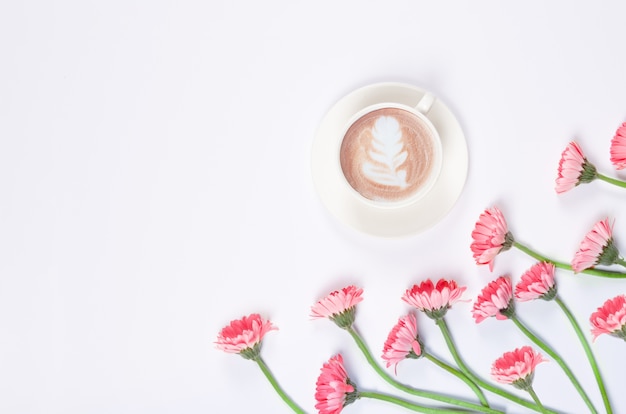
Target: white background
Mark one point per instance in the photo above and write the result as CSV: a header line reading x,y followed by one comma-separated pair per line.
x,y
155,184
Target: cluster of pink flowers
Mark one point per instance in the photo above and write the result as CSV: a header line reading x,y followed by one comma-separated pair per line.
x,y
575,169
335,390
492,236
538,282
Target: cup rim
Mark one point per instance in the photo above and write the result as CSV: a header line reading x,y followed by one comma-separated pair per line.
x,y
435,172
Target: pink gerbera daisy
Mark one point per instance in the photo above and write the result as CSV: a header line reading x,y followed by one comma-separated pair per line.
x,y
574,169
596,248
517,367
618,148
339,306
334,390
434,300
610,318
403,341
490,237
496,299
537,283
243,336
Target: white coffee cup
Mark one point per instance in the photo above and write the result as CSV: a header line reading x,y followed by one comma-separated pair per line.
x,y
391,154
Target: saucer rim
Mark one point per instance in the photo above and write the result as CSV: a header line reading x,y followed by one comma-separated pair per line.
x,y
380,221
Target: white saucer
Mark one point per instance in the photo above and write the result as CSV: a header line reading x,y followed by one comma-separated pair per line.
x,y
412,219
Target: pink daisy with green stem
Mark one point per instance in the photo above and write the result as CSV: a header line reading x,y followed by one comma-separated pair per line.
x,y
539,282
403,342
491,236
244,336
340,307
574,169
618,148
496,300
597,248
334,390
610,318
434,300
518,369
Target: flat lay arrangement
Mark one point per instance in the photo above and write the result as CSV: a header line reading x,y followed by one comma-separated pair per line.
x,y
348,207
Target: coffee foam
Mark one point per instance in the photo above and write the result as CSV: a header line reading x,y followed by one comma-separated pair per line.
x,y
387,155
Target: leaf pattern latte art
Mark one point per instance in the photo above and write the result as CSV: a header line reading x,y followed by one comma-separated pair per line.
x,y
387,154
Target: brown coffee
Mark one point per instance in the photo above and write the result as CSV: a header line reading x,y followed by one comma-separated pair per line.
x,y
387,155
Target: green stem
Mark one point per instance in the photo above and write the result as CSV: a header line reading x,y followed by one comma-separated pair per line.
x,y
404,403
548,350
610,180
279,390
410,390
479,393
457,358
590,357
561,265
533,394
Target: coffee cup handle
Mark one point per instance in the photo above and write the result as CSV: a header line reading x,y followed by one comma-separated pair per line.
x,y
425,103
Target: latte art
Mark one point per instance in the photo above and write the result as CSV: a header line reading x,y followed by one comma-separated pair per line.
x,y
387,155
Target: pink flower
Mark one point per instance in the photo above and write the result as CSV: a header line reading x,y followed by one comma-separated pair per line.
x,y
496,299
570,168
610,318
402,342
517,367
596,248
334,390
339,306
618,148
243,336
490,237
433,300
537,283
